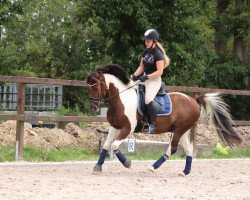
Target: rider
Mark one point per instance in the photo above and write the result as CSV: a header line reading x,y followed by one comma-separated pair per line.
x,y
154,60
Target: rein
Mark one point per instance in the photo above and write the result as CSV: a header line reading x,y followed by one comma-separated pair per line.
x,y
123,91
103,99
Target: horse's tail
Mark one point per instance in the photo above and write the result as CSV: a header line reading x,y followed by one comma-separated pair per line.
x,y
215,110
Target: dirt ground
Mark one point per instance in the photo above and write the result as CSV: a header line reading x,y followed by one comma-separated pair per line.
x,y
213,179
89,136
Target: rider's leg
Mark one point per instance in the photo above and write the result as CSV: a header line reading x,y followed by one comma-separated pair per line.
x,y
151,87
152,112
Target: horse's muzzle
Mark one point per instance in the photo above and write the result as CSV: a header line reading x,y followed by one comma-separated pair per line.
x,y
95,109
95,105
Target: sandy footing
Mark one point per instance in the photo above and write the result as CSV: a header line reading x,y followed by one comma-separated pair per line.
x,y
209,179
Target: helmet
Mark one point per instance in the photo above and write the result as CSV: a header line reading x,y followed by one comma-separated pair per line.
x,y
151,34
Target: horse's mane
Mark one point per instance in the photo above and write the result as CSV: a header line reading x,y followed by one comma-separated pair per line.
x,y
115,70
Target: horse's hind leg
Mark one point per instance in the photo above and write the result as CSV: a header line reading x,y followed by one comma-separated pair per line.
x,y
172,148
188,149
111,137
162,159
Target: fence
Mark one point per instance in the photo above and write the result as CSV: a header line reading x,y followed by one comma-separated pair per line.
x,y
21,117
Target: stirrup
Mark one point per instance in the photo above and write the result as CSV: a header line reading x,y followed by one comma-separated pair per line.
x,y
150,130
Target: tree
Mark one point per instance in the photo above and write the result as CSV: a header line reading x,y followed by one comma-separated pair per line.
x,y
121,25
9,11
241,27
219,25
205,40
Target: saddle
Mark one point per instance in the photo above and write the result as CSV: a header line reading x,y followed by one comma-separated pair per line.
x,y
162,102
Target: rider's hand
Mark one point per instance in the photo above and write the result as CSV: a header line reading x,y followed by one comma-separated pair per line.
x,y
143,78
134,78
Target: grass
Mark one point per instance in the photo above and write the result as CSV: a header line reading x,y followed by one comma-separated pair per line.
x,y
83,124
40,155
66,154
240,153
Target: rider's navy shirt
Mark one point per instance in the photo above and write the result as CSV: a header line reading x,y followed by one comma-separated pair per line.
x,y
149,58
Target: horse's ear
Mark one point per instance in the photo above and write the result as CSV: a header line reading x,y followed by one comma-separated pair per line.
x,y
99,71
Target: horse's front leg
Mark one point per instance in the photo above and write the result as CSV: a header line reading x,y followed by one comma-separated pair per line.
x,y
112,135
115,147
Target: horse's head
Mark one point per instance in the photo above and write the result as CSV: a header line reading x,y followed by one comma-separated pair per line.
x,y
97,89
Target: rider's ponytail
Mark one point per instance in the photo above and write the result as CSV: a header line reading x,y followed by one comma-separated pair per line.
x,y
166,58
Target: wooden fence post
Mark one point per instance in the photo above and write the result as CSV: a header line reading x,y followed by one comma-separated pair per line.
x,y
20,123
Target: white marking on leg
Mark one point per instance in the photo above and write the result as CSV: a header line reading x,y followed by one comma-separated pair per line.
x,y
151,168
115,145
111,137
168,152
186,144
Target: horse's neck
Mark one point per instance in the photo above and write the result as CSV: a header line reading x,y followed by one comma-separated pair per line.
x,y
119,93
112,80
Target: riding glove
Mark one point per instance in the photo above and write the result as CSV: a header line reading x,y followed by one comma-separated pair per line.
x,y
134,78
143,78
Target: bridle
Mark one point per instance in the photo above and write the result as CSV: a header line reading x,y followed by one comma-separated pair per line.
x,y
95,99
103,99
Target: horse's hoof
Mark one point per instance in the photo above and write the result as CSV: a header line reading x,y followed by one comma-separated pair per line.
x,y
127,163
182,174
151,169
97,168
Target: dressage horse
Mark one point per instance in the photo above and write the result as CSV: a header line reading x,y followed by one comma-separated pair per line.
x,y
112,84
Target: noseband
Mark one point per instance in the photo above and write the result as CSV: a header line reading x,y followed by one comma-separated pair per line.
x,y
95,99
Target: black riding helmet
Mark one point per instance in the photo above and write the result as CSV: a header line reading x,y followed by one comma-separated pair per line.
x,y
151,34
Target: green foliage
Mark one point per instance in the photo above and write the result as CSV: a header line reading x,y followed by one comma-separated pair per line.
x,y
234,22
32,154
229,72
185,41
64,39
68,111
63,111
226,66
41,155
7,154
232,153
219,150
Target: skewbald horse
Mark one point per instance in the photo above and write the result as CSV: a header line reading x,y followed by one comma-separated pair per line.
x,y
111,83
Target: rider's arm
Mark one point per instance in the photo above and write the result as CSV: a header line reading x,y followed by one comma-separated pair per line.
x,y
159,71
139,70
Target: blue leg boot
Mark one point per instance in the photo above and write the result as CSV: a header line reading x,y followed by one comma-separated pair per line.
x,y
125,161
159,162
98,166
188,165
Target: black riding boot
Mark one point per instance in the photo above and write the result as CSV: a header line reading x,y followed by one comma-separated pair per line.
x,y
151,112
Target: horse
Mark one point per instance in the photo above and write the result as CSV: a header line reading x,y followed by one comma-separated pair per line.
x,y
112,84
